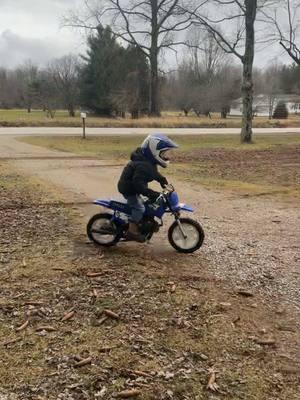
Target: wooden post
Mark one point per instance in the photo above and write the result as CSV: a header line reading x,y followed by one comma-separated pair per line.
x,y
83,116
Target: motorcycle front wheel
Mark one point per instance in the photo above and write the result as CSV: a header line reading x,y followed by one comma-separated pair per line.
x,y
194,235
102,230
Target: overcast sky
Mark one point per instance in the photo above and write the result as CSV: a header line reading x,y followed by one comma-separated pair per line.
x,y
30,29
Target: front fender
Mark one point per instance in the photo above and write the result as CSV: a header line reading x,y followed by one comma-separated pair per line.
x,y
185,207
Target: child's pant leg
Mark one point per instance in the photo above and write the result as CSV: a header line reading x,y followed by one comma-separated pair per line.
x,y
137,208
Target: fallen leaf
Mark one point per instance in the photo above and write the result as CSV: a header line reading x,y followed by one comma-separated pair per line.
x,y
84,362
33,303
139,373
22,327
94,274
126,394
265,342
68,316
11,342
173,288
111,314
236,319
102,320
212,385
47,328
245,292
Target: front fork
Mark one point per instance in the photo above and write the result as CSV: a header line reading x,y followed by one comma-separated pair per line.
x,y
177,218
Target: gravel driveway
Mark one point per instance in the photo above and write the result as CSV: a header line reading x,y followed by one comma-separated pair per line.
x,y
252,242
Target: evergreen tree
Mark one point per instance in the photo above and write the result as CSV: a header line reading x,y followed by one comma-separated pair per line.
x,y
281,111
136,82
107,83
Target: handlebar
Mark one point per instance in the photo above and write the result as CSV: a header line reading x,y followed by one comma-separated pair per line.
x,y
168,189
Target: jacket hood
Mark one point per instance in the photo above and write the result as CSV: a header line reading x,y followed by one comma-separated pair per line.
x,y
137,155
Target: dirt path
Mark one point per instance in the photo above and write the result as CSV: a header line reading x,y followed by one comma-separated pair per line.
x,y
253,242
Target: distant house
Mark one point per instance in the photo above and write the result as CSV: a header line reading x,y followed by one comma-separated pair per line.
x,y
263,102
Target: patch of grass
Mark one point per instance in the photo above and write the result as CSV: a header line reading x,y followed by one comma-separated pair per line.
x,y
199,175
18,117
122,146
268,166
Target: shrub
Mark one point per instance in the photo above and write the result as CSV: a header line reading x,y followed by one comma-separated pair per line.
x,y
281,111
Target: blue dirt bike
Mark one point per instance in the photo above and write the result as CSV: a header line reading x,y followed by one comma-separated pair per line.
x,y
185,235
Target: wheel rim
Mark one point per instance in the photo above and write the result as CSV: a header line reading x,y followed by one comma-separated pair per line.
x,y
97,229
193,236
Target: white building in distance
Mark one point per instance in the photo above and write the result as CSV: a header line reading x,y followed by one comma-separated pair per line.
x,y
263,103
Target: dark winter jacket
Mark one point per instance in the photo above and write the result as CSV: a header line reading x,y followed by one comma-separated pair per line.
x,y
137,174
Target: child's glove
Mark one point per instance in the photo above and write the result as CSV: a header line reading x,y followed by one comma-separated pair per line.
x,y
163,182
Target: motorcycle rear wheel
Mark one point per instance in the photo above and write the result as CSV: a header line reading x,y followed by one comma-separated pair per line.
x,y
194,232
102,230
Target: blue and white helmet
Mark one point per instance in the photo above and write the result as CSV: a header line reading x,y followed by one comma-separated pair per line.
x,y
154,145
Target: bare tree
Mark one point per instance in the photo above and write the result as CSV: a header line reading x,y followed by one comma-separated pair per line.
x,y
150,25
48,94
5,84
206,55
271,87
27,77
241,43
285,18
65,74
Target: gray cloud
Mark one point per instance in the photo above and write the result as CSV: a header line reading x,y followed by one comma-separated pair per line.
x,y
30,29
15,49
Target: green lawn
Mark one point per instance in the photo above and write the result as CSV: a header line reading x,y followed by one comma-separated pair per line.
x,y
169,119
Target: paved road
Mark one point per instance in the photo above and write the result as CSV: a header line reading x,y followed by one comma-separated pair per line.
x,y
140,131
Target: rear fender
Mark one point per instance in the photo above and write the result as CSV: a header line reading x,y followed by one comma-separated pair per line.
x,y
103,203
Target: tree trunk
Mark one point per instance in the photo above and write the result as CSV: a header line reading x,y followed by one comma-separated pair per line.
x,y
247,93
71,111
154,109
224,113
247,86
154,87
271,105
135,114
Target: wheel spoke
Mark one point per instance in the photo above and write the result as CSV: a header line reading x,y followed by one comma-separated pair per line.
x,y
102,230
192,236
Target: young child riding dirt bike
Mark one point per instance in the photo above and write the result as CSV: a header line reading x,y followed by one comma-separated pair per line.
x,y
143,168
